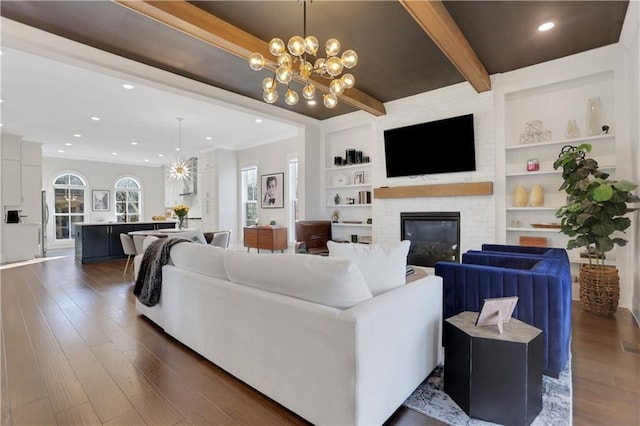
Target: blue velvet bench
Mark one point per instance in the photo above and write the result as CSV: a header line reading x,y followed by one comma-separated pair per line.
x,y
542,284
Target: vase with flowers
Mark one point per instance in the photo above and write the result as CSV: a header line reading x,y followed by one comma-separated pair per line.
x,y
181,212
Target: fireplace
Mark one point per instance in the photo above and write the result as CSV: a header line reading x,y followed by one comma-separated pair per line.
x,y
434,236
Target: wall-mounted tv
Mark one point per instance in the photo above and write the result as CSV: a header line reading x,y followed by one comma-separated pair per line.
x,y
442,146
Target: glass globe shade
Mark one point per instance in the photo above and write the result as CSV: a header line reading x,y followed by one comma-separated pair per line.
x,y
349,80
305,69
270,96
330,100
334,66
332,47
318,66
309,91
291,97
285,59
268,84
284,74
349,58
276,46
311,45
256,61
296,45
336,87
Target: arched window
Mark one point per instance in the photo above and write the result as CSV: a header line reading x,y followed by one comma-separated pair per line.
x,y
128,193
69,197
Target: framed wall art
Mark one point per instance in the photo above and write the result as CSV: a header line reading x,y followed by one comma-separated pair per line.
x,y
100,200
272,191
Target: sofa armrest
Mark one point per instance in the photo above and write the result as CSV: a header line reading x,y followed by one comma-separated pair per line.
x,y
400,328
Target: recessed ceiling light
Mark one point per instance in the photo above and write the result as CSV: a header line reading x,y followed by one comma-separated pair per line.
x,y
209,138
61,150
177,149
1,101
134,143
258,120
546,26
77,135
160,155
146,160
68,143
94,118
128,86
311,102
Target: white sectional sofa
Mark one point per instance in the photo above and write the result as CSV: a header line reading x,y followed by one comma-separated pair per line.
x,y
304,330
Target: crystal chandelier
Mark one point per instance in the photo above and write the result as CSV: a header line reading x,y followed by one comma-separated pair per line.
x,y
181,168
298,60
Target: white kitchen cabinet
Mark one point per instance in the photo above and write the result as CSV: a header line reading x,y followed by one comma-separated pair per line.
x,y
20,241
11,183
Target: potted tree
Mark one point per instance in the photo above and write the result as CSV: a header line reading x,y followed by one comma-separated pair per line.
x,y
594,218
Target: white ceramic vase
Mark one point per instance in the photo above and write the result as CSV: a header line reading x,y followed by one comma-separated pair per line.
x,y
595,116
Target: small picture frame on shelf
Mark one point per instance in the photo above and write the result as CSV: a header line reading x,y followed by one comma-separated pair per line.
x,y
358,178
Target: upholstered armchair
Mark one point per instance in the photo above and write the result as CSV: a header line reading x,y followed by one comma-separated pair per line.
x,y
312,236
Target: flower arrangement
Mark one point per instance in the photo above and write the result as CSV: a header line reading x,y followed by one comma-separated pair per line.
x,y
181,210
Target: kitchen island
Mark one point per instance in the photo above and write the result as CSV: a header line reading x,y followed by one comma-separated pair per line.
x,y
95,242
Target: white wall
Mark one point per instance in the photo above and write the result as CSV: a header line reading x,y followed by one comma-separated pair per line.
x,y
103,176
271,158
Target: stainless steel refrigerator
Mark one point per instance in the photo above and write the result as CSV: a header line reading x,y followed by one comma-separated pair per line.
x,y
44,223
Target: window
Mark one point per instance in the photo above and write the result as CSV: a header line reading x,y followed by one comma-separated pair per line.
x,y
69,196
128,193
249,184
293,197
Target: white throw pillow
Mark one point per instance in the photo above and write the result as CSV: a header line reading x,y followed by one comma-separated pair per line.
x,y
200,258
383,264
328,281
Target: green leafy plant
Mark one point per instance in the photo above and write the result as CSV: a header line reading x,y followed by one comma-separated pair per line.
x,y
596,205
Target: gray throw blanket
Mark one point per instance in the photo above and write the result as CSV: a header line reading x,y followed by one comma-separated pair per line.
x,y
149,281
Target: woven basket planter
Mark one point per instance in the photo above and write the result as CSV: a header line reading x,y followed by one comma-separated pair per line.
x,y
599,289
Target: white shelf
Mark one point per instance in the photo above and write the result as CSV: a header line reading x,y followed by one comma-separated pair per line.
x,y
533,209
358,225
349,167
357,185
554,172
574,141
348,205
532,229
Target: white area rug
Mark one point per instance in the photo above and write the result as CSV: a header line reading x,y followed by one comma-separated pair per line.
x,y
430,399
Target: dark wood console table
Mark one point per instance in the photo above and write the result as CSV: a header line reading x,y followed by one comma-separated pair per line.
x,y
265,238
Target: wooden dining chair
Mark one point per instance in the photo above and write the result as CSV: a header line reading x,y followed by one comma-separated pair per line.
x,y
130,250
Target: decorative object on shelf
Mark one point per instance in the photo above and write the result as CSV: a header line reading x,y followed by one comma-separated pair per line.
x,y
595,209
350,155
520,196
533,165
181,212
336,199
181,168
515,223
536,197
605,129
351,200
335,217
365,159
337,161
358,178
340,180
594,116
572,130
534,133
296,64
369,221
354,238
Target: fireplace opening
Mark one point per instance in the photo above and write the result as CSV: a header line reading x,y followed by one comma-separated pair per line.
x,y
434,236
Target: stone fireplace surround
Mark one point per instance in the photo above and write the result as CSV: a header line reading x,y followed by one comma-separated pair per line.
x,y
434,236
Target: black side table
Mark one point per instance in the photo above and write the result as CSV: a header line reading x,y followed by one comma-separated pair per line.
x,y
492,376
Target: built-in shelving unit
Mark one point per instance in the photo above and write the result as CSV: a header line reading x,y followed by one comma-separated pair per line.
x,y
554,105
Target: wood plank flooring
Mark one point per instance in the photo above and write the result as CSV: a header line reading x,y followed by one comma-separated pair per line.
x,y
74,351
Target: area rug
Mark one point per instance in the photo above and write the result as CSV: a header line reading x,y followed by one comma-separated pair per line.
x,y
430,399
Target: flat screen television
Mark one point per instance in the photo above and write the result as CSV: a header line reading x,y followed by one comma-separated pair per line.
x,y
442,146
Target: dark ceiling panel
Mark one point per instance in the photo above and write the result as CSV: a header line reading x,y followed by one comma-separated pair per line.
x,y
396,58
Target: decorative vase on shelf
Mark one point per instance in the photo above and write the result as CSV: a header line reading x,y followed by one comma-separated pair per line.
x,y
336,199
572,130
520,196
594,117
536,198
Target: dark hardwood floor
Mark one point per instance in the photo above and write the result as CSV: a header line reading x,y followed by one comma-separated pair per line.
x,y
74,351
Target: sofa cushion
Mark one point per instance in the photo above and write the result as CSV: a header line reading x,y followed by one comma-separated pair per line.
x,y
382,264
328,281
201,258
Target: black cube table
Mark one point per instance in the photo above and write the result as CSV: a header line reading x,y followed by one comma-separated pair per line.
x,y
492,376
